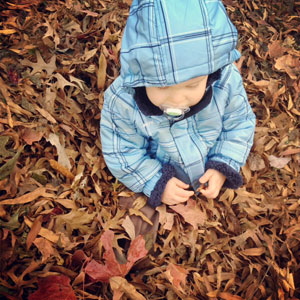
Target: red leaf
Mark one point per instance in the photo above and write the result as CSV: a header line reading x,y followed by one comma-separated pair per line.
x,y
54,288
100,272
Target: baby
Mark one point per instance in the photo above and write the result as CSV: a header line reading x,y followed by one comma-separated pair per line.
x,y
177,118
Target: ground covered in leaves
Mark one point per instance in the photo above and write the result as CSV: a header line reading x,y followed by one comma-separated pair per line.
x,y
59,218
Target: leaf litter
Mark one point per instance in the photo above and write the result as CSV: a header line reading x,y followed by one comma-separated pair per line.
x,y
61,231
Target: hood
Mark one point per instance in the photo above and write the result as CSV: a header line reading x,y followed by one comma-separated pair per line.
x,y
166,42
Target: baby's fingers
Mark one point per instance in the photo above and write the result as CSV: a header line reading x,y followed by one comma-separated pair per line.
x,y
209,192
184,193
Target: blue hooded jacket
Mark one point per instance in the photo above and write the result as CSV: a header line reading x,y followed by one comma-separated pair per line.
x,y
167,42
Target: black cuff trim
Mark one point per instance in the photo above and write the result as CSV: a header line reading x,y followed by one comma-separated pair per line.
x,y
168,171
233,178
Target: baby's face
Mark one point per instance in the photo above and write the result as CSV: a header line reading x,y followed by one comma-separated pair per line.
x,y
182,95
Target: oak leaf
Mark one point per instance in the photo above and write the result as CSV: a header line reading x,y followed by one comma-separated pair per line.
x,y
41,65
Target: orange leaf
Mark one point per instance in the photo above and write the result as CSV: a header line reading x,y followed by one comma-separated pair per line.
x,y
61,169
253,251
177,276
34,231
227,296
45,247
290,152
27,197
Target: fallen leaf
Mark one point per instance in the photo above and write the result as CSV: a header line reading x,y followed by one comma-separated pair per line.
x,y
278,162
53,287
75,219
121,286
129,227
228,296
289,64
290,152
101,75
34,231
177,276
8,167
111,268
30,136
7,31
191,213
61,169
26,198
165,218
62,155
253,251
41,65
45,247
276,49
256,163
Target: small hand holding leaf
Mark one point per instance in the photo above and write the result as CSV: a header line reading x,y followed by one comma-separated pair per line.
x,y
211,183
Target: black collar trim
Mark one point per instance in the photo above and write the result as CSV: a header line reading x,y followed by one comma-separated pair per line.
x,y
149,109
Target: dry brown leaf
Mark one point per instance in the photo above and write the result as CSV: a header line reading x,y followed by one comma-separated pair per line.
x,y
129,227
101,75
290,152
63,158
256,163
45,247
191,213
61,169
278,162
276,49
166,219
289,64
228,296
121,286
41,65
29,197
177,276
34,231
253,251
30,136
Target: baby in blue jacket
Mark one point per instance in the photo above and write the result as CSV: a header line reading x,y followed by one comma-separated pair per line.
x,y
177,116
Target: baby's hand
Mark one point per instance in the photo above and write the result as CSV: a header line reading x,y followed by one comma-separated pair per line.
x,y
175,192
215,181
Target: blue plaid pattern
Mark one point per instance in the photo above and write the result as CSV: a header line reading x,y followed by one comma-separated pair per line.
x,y
166,42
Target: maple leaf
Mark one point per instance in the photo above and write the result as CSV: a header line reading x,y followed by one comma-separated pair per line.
x,y
53,287
111,268
190,212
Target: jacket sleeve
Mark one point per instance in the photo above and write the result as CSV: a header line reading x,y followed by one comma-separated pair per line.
x,y
232,148
125,150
